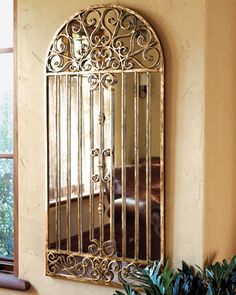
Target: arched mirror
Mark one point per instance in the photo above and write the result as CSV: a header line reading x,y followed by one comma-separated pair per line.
x,y
105,119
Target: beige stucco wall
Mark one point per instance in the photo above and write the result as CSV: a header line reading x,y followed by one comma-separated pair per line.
x,y
182,28
220,130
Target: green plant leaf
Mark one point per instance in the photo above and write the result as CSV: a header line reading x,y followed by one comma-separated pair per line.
x,y
215,279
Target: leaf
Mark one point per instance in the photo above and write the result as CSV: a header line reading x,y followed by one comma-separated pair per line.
x,y
130,291
118,293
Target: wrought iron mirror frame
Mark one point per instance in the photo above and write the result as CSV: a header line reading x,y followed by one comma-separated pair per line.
x,y
100,260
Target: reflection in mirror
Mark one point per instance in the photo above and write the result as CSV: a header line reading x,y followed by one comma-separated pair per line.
x,y
105,155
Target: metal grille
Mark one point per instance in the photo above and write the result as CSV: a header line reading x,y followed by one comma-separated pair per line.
x,y
105,81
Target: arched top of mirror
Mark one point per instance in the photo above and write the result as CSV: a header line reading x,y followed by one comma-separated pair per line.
x,y
105,38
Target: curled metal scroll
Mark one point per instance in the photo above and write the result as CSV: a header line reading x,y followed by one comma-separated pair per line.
x,y
105,37
103,175
106,80
107,249
91,267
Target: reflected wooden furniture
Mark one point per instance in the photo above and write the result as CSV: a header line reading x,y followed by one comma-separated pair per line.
x,y
130,209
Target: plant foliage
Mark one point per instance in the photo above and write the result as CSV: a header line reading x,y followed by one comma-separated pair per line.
x,y
221,277
215,279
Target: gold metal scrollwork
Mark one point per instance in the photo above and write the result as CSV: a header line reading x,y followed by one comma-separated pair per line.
x,y
90,268
104,38
101,164
96,65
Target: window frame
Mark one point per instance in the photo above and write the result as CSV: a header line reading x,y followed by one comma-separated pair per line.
x,y
10,265
9,268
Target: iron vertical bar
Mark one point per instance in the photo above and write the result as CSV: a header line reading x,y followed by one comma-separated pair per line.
x,y
50,157
58,162
162,159
80,180
148,168
112,171
101,162
68,202
136,155
57,195
91,195
123,160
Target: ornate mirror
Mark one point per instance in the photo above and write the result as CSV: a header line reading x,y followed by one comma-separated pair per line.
x,y
105,122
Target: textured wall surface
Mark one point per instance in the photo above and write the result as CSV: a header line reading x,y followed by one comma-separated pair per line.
x,y
180,25
220,131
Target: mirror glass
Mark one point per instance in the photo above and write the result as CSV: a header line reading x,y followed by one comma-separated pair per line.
x,y
105,152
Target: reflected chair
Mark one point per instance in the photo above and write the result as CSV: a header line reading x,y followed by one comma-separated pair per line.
x,y
130,209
